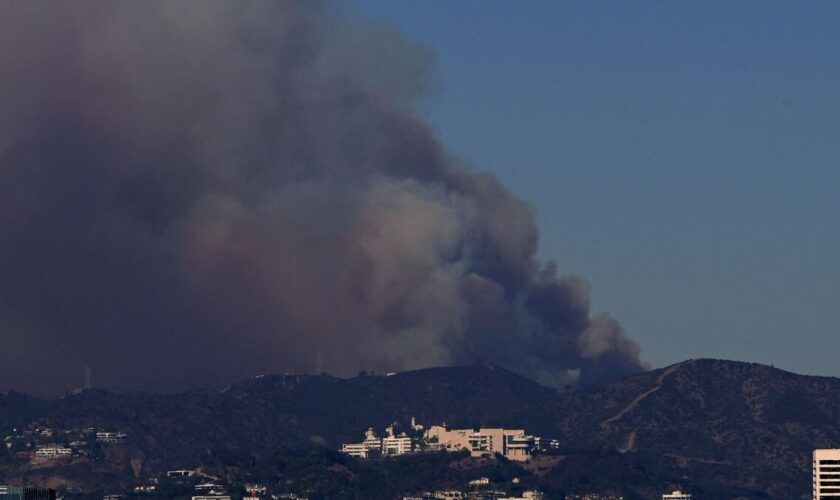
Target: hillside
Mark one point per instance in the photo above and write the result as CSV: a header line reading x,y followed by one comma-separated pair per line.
x,y
721,428
723,422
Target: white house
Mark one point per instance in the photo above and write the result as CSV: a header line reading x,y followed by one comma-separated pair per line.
x,y
51,452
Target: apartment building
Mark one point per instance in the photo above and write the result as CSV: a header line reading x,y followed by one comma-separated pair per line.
x,y
826,474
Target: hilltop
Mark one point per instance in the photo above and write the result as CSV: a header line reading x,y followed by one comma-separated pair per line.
x,y
718,427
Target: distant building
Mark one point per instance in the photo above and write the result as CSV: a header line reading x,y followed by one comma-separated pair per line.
x,y
111,437
26,493
826,474
393,444
441,438
371,444
513,444
676,495
209,489
415,426
526,495
211,497
51,452
448,495
358,450
254,491
180,473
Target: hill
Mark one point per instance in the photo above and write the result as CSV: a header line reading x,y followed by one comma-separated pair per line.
x,y
730,423
721,428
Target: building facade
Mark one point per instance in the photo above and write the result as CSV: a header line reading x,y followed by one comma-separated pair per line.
x,y
371,445
397,445
394,444
676,495
26,493
513,444
52,452
826,474
111,437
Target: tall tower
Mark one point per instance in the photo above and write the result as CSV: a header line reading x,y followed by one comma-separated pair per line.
x,y
87,378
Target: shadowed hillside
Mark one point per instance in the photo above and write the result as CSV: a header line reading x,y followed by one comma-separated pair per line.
x,y
720,427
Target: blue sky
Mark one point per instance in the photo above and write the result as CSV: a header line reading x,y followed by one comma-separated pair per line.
x,y
681,156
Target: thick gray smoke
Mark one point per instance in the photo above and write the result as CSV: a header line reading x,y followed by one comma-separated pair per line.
x,y
194,191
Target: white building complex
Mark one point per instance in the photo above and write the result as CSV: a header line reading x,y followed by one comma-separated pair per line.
x,y
826,476
676,495
526,495
392,444
513,444
371,444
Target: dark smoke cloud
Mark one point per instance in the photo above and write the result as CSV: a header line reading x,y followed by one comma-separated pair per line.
x,y
194,191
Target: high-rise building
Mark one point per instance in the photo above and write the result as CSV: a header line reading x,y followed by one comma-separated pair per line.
x,y
826,479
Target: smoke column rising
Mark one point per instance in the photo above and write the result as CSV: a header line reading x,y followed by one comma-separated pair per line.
x,y
194,191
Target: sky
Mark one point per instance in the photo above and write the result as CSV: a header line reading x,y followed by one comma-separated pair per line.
x,y
682,157
249,186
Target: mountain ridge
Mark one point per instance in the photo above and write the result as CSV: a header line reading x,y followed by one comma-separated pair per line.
x,y
704,423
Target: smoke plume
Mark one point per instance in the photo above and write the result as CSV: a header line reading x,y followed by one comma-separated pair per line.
x,y
195,191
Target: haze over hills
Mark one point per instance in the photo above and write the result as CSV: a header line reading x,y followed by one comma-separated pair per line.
x,y
714,426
